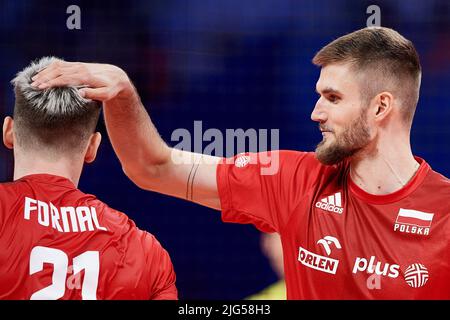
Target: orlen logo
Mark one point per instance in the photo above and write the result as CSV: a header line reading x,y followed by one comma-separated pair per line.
x,y
331,203
383,269
318,262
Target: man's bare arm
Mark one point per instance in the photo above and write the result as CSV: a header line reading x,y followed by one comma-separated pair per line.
x,y
151,164
145,157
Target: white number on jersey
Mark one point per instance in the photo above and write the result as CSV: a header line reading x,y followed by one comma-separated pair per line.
x,y
87,261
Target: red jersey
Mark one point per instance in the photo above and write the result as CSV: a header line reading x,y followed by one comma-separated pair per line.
x,y
57,242
340,242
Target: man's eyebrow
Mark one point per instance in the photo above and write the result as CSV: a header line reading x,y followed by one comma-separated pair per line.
x,y
328,90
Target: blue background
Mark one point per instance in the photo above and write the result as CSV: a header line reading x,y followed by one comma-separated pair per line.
x,y
232,64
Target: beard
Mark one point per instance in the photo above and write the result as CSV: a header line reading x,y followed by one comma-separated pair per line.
x,y
354,138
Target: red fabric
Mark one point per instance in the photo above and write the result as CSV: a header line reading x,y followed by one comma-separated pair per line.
x,y
77,241
355,251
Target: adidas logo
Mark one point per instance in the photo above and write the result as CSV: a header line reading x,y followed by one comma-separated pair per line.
x,y
331,203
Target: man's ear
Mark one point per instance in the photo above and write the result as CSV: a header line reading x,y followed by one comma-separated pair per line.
x,y
383,105
8,133
94,143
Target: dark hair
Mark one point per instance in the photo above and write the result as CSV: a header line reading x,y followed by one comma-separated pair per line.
x,y
384,59
58,118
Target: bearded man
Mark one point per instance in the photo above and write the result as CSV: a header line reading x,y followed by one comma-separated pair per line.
x,y
359,218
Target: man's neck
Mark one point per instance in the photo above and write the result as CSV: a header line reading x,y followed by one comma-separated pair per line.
x,y
385,169
27,165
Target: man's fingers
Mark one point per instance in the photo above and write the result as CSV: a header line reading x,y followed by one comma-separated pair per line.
x,y
50,68
101,82
75,75
51,72
60,81
100,94
62,77
44,76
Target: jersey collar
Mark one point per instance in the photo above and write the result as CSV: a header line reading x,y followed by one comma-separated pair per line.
x,y
49,179
409,188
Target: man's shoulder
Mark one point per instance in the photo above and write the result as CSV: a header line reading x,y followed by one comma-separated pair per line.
x,y
434,192
121,223
306,162
286,158
437,185
106,212
296,154
282,156
10,185
275,163
10,190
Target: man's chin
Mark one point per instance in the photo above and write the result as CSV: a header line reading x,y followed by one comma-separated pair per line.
x,y
325,160
329,155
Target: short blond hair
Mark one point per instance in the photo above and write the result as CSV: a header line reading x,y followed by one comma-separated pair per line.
x,y
55,118
383,60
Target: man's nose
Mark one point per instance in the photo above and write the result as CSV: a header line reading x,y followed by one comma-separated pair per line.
x,y
319,114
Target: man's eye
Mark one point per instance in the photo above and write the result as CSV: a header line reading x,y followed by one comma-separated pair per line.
x,y
332,98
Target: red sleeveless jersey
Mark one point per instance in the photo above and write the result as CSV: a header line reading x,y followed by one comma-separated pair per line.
x,y
57,242
339,242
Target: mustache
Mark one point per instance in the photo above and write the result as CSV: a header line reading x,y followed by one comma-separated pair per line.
x,y
324,128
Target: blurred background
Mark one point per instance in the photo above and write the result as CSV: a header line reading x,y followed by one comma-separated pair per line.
x,y
231,64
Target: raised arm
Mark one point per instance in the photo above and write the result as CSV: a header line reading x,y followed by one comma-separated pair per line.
x,y
150,163
145,157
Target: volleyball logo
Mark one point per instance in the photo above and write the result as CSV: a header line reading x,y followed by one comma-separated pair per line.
x,y
416,275
242,161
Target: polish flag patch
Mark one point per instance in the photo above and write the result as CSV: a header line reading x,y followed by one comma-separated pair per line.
x,y
415,218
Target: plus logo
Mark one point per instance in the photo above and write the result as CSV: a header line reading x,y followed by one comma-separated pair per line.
x,y
416,275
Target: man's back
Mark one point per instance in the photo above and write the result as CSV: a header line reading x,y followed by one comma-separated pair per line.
x,y
59,243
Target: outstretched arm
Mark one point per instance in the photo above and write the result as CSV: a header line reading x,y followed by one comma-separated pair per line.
x,y
145,157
